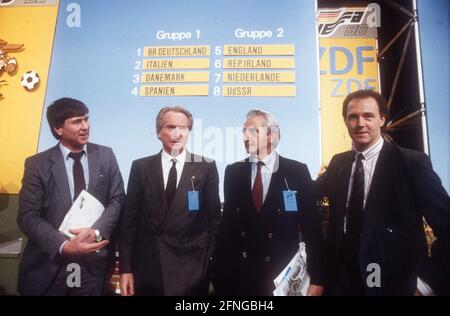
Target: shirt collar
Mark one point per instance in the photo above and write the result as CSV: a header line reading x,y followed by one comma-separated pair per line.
x,y
269,161
66,151
166,158
372,151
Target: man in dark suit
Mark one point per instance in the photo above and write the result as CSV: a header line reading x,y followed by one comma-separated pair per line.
x,y
260,231
378,193
172,215
52,181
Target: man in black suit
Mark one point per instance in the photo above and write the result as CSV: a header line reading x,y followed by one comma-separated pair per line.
x,y
52,181
172,216
260,229
378,194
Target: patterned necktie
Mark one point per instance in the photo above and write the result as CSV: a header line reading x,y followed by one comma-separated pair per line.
x,y
356,201
171,187
78,173
257,191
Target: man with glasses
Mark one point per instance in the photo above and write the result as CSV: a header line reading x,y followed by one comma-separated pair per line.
x,y
268,204
172,216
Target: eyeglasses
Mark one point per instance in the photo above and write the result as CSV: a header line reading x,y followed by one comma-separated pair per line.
x,y
255,130
250,130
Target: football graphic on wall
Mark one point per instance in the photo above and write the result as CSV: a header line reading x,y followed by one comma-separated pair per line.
x,y
30,80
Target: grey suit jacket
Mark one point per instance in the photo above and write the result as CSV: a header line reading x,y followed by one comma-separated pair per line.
x,y
168,249
44,200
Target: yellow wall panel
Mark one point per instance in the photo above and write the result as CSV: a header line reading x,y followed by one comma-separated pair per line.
x,y
21,110
347,65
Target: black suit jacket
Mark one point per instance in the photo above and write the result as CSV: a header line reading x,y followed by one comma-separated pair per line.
x,y
254,247
169,249
404,188
44,200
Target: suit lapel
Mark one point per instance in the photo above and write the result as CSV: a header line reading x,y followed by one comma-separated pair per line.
x,y
343,180
94,167
155,181
343,176
246,172
274,184
185,184
272,197
185,179
379,184
59,173
274,192
247,184
155,176
253,218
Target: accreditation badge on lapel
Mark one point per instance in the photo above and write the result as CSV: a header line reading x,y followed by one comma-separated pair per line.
x,y
290,201
193,198
193,201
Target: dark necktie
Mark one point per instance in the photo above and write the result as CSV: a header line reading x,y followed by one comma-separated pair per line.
x,y
356,202
171,186
78,174
257,191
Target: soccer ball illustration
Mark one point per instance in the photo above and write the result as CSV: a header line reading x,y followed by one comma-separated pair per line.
x,y
30,80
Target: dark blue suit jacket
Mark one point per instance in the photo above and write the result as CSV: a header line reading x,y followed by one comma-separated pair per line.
x,y
168,249
254,247
404,189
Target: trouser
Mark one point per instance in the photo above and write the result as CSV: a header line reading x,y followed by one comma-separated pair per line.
x,y
76,279
348,277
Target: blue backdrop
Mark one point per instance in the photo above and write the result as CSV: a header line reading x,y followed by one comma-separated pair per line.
x,y
435,41
95,63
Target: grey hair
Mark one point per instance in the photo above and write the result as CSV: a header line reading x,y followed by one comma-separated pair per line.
x,y
176,109
269,121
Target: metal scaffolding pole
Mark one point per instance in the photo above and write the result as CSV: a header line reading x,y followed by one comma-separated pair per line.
x,y
423,109
413,25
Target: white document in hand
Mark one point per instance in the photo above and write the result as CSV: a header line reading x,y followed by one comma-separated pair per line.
x,y
84,212
294,279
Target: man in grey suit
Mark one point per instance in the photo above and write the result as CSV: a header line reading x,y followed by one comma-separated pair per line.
x,y
53,264
169,226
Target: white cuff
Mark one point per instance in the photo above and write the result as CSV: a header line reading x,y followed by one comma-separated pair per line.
x,y
62,246
424,288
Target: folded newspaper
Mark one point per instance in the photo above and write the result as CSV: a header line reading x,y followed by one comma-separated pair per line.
x,y
83,213
294,279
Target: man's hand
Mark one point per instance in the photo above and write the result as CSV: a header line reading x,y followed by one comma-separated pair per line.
x,y
126,284
315,290
84,234
83,242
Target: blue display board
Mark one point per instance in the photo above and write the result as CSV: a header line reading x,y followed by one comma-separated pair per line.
x,y
99,57
435,28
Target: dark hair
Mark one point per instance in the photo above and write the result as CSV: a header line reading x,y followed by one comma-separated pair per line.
x,y
176,109
63,109
364,94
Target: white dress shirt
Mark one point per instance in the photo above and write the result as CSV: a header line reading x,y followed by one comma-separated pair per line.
x,y
269,167
68,162
369,162
166,162
69,167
